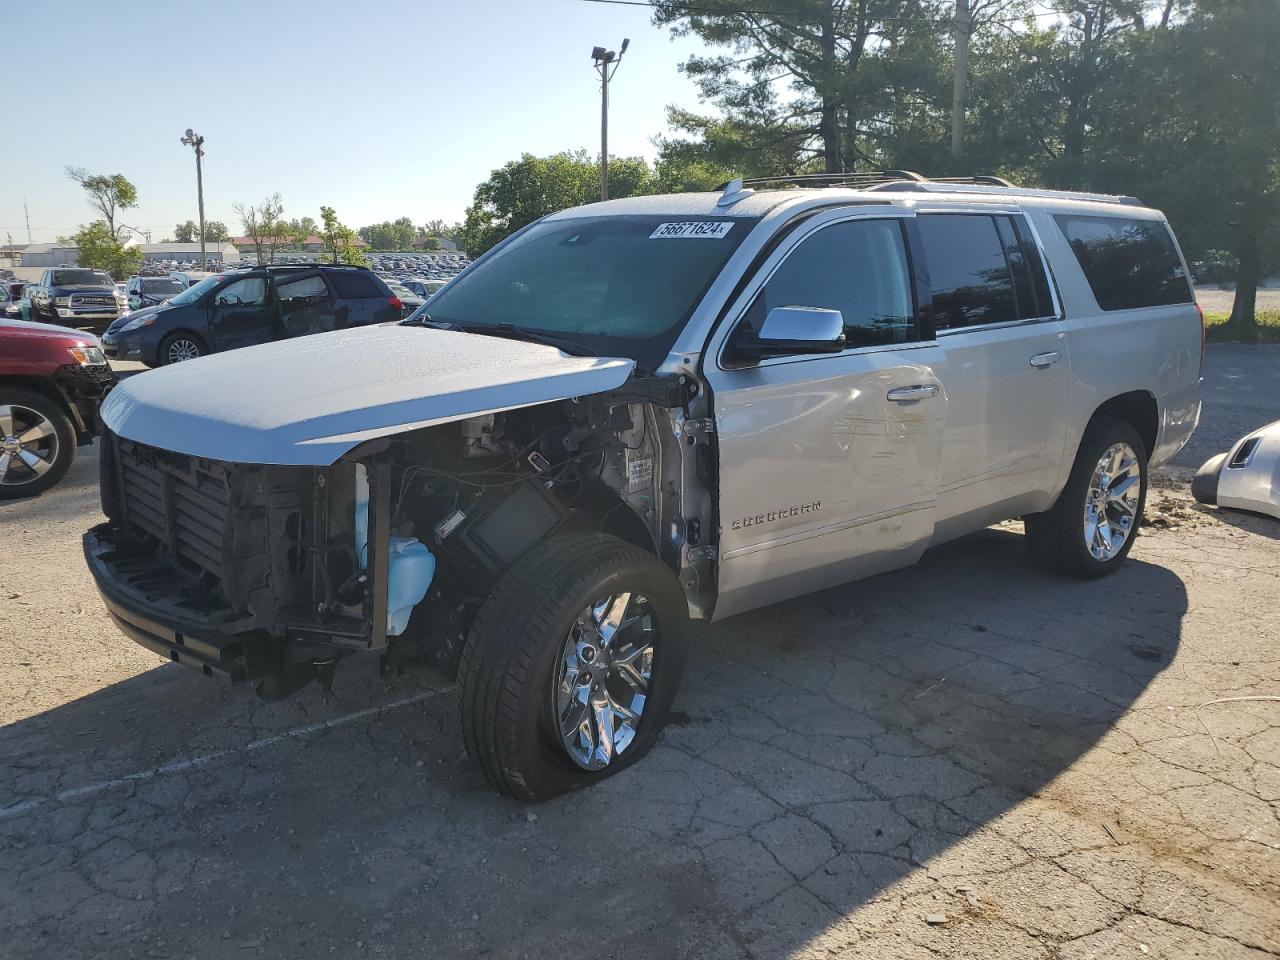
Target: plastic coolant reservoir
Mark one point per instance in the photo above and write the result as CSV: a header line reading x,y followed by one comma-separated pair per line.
x,y
409,574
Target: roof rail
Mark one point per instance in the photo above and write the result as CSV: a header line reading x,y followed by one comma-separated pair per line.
x,y
861,178
909,181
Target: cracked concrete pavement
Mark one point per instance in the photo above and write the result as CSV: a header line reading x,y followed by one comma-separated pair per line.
x,y
970,758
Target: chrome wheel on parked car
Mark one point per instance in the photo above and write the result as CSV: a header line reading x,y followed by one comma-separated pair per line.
x,y
602,679
28,445
1111,504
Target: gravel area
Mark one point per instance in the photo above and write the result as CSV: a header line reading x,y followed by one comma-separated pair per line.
x,y
969,758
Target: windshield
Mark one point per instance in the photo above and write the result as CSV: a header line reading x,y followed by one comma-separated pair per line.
x,y
163,287
194,293
617,285
81,278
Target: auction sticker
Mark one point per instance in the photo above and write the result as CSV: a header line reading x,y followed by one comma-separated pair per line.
x,y
693,230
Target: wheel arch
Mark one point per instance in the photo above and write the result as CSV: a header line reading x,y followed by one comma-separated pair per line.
x,y
607,512
1139,409
47,388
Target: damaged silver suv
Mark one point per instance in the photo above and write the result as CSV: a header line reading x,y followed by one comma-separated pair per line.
x,y
640,413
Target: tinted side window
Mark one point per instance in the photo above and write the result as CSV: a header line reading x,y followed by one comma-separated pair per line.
x,y
968,270
351,285
859,268
1128,263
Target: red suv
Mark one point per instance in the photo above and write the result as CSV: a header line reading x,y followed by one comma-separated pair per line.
x,y
51,382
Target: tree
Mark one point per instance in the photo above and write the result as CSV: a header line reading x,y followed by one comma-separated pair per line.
x,y
528,189
1194,124
107,194
214,232
264,225
849,67
339,239
389,235
99,248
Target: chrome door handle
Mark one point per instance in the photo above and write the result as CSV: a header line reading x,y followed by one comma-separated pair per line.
x,y
908,394
1042,360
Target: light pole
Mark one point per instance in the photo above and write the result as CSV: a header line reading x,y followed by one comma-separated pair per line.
x,y
606,62
196,142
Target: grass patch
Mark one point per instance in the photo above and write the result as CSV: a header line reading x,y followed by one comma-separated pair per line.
x,y
1217,331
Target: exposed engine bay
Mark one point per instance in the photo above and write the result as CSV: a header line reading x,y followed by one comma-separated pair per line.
x,y
395,547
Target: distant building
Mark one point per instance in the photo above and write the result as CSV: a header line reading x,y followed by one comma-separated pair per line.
x,y
222,252
48,254
55,255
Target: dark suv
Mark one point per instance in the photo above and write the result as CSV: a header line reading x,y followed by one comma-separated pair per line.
x,y
76,297
241,308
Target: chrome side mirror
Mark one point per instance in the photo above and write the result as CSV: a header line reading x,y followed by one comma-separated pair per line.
x,y
791,331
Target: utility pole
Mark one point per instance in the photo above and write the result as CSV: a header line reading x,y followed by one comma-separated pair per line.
x,y
28,216
606,62
196,142
959,89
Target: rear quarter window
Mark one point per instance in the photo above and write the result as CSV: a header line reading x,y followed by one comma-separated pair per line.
x,y
355,286
1128,263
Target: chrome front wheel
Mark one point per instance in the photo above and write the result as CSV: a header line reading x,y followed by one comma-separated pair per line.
x,y
1111,503
602,678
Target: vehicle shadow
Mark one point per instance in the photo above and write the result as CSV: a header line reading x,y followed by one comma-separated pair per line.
x,y
821,751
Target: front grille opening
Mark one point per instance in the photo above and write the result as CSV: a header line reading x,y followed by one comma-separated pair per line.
x,y
181,503
1245,453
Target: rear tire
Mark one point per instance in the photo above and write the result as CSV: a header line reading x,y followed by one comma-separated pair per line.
x,y
32,467
179,346
1063,538
542,673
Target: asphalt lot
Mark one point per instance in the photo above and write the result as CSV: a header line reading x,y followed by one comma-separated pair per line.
x,y
969,758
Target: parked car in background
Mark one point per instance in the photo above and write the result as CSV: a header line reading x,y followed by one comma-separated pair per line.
x,y
640,412
76,297
409,300
51,382
150,291
424,288
246,307
14,304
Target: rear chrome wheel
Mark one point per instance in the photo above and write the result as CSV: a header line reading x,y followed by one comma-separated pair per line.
x,y
1089,531
603,677
1111,507
37,444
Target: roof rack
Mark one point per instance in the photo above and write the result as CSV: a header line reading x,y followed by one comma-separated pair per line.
x,y
909,181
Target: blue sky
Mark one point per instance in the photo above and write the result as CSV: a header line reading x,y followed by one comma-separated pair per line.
x,y
380,109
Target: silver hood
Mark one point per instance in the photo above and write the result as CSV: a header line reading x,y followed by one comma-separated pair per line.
x,y
310,400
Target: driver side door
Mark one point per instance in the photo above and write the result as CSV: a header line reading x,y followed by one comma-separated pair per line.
x,y
828,463
243,313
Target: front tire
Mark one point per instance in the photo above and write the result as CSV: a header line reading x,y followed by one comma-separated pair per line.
x,y
37,443
571,666
1091,528
179,346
